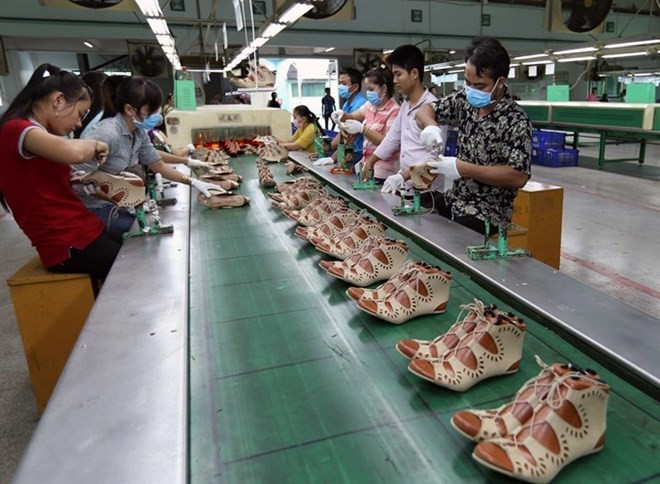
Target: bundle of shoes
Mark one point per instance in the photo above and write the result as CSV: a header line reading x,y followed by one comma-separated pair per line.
x,y
229,181
232,147
258,76
554,419
273,152
214,157
266,179
297,195
264,140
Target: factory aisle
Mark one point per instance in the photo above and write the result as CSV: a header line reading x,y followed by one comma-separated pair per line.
x,y
611,233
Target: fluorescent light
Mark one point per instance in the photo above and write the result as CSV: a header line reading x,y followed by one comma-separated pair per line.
x,y
149,8
577,59
627,54
329,49
632,44
388,51
576,51
89,44
165,40
636,74
455,72
294,12
272,30
514,65
531,56
538,62
259,41
452,52
158,26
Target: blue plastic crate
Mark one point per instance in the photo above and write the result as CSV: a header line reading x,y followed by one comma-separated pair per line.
x,y
548,139
559,157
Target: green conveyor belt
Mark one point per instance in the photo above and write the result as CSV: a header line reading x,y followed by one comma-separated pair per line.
x,y
291,383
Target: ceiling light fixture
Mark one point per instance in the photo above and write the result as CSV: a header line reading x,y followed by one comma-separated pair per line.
x,y
633,44
89,44
158,26
149,8
538,62
626,54
329,49
294,12
531,56
272,30
577,59
575,51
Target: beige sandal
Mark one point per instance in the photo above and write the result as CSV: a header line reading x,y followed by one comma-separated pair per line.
x,y
125,190
222,200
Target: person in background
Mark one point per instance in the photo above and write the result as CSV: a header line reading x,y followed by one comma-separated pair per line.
x,y
305,122
604,98
622,96
131,107
407,64
494,142
35,184
373,120
328,106
350,85
93,79
593,95
433,90
273,101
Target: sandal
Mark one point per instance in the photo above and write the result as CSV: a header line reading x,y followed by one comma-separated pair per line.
x,y
125,190
222,200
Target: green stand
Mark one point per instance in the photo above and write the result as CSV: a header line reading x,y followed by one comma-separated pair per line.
x,y
322,145
501,251
414,209
370,184
156,228
158,195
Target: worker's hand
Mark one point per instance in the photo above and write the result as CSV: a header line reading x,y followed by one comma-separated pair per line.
x,y
352,126
101,152
337,116
393,183
366,168
431,138
77,184
324,161
204,187
445,165
193,163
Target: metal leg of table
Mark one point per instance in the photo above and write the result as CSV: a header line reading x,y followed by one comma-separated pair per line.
x,y
576,140
601,152
642,151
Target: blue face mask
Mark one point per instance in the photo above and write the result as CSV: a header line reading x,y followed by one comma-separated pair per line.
x,y
150,122
343,91
477,98
373,98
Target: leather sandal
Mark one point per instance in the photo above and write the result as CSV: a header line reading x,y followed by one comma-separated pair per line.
x,y
421,177
223,200
331,226
350,241
125,190
392,284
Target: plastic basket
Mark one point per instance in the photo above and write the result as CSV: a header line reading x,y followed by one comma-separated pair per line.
x,y
556,158
548,139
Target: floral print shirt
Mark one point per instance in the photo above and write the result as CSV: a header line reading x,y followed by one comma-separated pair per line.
x,y
503,137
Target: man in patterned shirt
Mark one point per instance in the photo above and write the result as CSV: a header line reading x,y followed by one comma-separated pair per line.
x,y
494,142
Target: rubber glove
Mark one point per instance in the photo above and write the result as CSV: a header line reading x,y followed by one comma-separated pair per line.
x,y
324,161
193,163
191,148
352,126
431,138
204,187
337,115
445,165
393,183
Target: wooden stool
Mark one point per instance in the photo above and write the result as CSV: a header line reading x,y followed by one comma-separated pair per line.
x,y
51,310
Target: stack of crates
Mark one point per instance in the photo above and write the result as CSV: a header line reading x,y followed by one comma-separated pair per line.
x,y
548,149
452,142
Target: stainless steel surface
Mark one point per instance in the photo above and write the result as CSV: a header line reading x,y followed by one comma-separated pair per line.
x,y
119,412
623,333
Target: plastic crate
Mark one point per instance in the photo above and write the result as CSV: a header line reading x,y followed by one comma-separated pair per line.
x,y
559,157
548,139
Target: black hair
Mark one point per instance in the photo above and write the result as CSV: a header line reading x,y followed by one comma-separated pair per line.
x,y
327,90
382,76
273,96
408,57
304,112
45,80
93,79
488,57
135,91
354,75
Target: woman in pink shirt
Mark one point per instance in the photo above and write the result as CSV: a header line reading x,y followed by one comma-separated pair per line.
x,y
374,120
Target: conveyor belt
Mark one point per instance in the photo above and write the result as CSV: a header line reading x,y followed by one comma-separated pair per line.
x,y
290,382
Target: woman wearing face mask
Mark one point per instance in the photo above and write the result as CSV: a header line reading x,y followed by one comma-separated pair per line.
x,y
131,107
305,122
35,162
373,120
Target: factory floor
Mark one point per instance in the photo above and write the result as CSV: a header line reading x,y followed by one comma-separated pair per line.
x,y
611,229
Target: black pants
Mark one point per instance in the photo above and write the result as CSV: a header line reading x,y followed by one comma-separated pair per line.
x,y
326,122
437,201
96,259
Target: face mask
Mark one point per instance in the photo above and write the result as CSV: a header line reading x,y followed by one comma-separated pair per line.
x,y
373,98
150,122
479,99
343,91
296,124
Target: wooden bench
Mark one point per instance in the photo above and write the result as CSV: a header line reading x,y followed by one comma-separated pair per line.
x,y
51,310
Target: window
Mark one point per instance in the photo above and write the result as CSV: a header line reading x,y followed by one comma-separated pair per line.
x,y
309,89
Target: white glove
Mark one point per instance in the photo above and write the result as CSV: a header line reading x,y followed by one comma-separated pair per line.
x,y
193,163
393,183
357,167
204,187
446,165
191,148
431,138
352,126
337,115
324,161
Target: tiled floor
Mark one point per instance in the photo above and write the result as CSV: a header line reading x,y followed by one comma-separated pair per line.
x,y
610,241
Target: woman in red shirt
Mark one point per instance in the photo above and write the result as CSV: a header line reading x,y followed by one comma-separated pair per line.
x,y
35,173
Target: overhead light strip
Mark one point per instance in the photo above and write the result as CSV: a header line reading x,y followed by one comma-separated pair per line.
x,y
575,51
633,44
624,54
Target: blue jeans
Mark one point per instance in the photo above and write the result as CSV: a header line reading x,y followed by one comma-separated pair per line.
x,y
116,220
